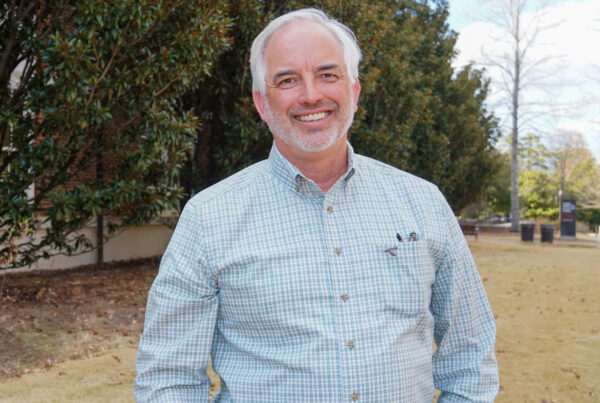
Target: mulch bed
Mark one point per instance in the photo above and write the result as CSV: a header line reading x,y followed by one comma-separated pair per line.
x,y
53,315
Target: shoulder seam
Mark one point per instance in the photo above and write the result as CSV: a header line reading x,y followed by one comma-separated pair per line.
x,y
231,183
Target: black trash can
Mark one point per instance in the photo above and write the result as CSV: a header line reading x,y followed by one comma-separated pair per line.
x,y
527,232
547,232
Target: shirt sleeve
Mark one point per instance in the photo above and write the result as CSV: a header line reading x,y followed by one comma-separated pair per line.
x,y
180,319
464,364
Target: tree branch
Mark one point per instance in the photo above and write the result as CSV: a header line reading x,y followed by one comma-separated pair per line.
x,y
109,64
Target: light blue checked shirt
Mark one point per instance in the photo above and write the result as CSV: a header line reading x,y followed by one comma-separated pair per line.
x,y
301,296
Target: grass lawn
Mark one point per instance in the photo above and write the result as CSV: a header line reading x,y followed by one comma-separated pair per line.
x,y
546,301
545,298
106,377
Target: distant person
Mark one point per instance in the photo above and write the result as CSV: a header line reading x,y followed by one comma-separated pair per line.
x,y
318,275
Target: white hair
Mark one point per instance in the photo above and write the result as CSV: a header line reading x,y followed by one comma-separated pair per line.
x,y
344,35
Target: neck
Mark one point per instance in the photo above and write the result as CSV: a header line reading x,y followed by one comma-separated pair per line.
x,y
323,167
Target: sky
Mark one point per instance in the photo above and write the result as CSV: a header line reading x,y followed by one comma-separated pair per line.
x,y
564,60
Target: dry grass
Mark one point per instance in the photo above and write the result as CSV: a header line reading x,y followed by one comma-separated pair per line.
x,y
547,307
103,378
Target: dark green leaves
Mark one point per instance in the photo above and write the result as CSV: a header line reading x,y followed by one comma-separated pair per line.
x,y
94,127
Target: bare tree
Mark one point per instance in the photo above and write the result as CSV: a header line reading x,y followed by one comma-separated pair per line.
x,y
520,68
577,171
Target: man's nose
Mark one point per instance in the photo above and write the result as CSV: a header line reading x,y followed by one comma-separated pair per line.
x,y
310,92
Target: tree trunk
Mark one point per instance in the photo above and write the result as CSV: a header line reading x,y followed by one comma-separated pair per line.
x,y
514,167
100,218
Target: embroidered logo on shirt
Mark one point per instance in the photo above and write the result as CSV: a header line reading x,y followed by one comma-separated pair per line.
x,y
390,251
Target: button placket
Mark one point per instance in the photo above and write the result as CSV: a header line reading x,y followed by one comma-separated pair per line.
x,y
334,226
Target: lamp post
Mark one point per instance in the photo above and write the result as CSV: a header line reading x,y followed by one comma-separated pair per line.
x,y
560,193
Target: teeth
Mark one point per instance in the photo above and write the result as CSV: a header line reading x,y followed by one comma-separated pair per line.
x,y
314,116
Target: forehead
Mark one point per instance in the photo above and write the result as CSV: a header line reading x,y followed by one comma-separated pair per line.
x,y
302,44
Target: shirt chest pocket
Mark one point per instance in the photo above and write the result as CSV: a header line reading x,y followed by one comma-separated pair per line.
x,y
404,273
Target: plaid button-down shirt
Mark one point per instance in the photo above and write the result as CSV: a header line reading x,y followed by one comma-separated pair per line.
x,y
301,296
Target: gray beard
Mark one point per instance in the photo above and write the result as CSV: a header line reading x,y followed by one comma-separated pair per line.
x,y
289,136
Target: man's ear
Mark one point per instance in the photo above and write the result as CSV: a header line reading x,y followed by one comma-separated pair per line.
x,y
356,93
259,104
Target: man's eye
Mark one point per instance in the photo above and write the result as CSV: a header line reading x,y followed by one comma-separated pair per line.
x,y
286,82
329,77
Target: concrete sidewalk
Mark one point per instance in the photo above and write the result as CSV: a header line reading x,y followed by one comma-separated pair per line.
x,y
581,240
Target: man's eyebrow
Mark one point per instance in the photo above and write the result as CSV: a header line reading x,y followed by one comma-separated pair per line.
x,y
331,66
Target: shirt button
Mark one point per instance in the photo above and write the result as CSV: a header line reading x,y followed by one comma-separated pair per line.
x,y
329,209
355,396
338,251
344,297
297,188
350,345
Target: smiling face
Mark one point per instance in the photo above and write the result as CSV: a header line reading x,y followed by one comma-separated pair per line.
x,y
309,101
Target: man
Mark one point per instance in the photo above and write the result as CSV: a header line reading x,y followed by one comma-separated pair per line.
x,y
317,275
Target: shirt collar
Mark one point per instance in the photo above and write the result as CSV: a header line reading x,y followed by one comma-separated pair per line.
x,y
290,176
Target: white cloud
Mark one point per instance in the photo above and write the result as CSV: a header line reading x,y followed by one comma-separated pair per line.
x,y
473,40
578,31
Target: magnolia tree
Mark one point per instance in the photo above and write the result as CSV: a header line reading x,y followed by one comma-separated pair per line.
x,y
110,81
89,121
